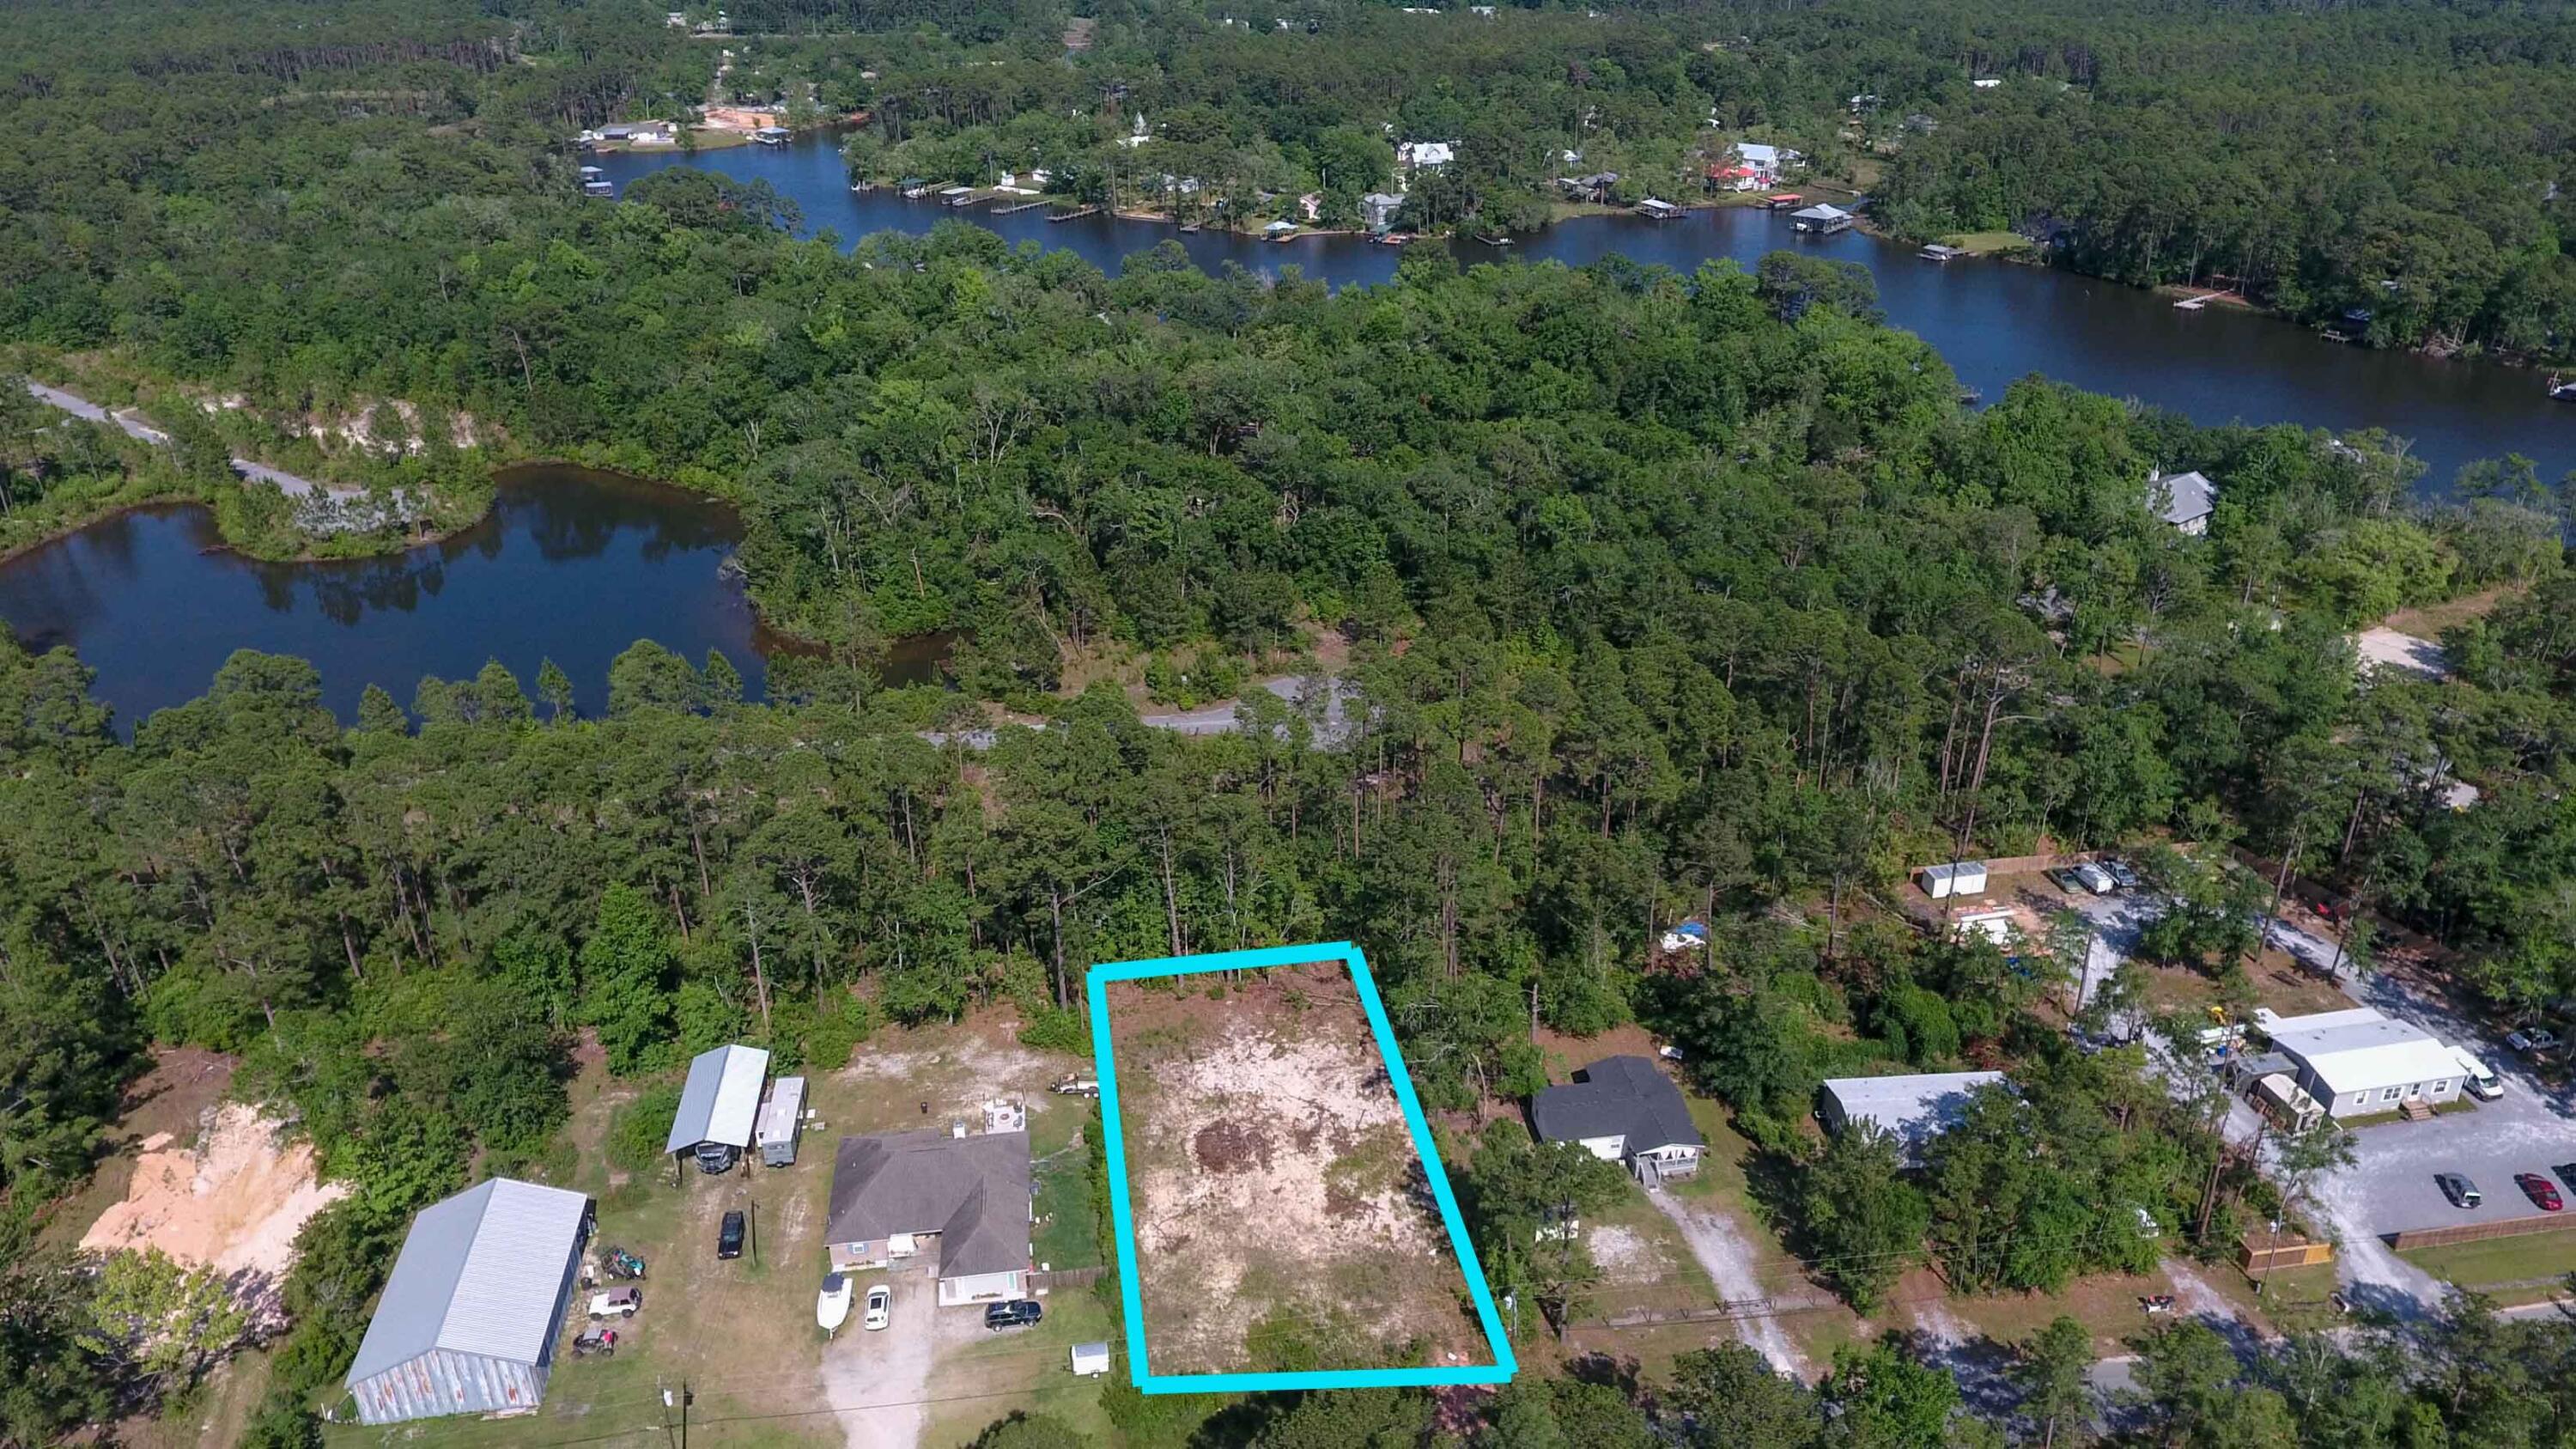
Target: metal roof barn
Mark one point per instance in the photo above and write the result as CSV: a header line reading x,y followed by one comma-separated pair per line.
x,y
470,1314
722,1098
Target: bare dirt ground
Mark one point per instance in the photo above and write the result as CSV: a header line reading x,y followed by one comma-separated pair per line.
x,y
233,1202
1273,1179
1725,1251
2387,649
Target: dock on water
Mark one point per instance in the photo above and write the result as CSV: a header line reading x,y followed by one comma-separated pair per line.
x,y
1076,214
1018,206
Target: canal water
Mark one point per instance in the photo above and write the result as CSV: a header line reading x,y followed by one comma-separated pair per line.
x,y
572,564
1994,322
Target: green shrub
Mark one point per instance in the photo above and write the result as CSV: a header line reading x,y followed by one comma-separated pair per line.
x,y
636,1133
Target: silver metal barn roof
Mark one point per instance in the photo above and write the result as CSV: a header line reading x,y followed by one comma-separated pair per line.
x,y
479,1273
721,1100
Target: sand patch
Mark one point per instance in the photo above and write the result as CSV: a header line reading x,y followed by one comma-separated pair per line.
x,y
1272,1175
234,1202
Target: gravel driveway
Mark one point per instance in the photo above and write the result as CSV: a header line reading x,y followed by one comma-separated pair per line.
x,y
878,1381
1726,1254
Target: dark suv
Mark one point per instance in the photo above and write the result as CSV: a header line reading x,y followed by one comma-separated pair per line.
x,y
1018,1313
729,1236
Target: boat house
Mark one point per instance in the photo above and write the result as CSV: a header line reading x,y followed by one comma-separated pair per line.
x,y
1823,219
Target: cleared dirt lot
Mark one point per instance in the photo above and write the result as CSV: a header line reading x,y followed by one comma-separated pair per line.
x,y
1281,1217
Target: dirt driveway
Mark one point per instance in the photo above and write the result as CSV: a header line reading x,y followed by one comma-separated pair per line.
x,y
879,1381
1726,1253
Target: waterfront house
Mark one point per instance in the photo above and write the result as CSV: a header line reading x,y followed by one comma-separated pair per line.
x,y
1422,155
1378,208
2184,500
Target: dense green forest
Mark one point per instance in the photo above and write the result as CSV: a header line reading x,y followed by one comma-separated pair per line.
x,y
1659,595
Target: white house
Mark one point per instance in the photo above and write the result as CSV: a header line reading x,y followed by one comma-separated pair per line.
x,y
1622,1110
2184,500
2359,1063
899,1196
1912,1109
1419,155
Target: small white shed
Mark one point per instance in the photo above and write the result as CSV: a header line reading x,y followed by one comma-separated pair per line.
x,y
1090,1360
1957,878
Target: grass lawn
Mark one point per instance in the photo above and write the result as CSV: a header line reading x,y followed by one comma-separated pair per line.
x,y
1988,243
2502,1260
1068,1228
1028,1372
741,1333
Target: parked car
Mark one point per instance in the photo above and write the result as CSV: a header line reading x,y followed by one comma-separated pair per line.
x,y
880,1307
600,1341
729,1236
2462,1192
2122,874
2096,880
2542,1192
2566,1173
2531,1041
1077,1087
2481,1083
616,1303
1018,1313
2063,877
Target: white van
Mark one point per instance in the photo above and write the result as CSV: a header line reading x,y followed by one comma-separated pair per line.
x,y
2481,1083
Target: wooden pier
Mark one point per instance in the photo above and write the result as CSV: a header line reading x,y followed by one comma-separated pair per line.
x,y
1076,214
1019,206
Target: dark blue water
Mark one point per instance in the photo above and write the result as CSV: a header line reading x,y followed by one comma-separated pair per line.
x,y
571,564
1994,322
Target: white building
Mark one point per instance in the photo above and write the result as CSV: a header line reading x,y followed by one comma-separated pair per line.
x,y
2184,500
2359,1063
1417,155
1912,1109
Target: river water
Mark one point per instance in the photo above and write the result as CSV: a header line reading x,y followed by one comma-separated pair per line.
x,y
1994,322
575,565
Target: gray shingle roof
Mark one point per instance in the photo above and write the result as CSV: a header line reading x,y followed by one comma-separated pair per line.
x,y
1616,1097
721,1099
2181,497
477,1274
972,1191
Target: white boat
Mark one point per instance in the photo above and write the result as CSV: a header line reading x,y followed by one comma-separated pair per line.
x,y
832,1305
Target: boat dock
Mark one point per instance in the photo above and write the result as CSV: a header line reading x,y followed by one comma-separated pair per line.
x,y
1936,252
1018,206
1076,214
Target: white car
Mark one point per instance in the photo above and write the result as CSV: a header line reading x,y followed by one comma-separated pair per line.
x,y
616,1303
880,1310
2482,1083
2096,879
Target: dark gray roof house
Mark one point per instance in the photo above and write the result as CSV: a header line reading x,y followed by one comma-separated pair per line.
x,y
1622,1109
470,1314
894,1192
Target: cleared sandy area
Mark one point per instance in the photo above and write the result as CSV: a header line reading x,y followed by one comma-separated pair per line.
x,y
233,1201
1282,1219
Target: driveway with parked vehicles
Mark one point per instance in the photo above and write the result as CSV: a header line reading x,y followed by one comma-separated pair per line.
x,y
2392,1185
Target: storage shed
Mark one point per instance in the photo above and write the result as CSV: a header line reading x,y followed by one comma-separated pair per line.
x,y
780,1118
1090,1360
719,1105
1957,878
471,1313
